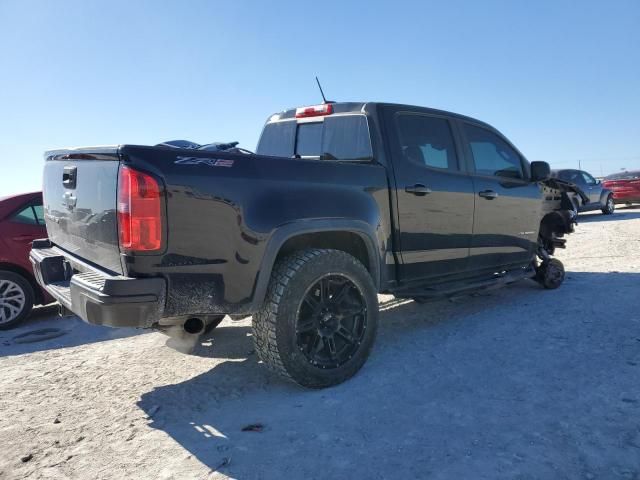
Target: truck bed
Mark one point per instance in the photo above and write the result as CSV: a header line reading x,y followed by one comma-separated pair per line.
x,y
220,211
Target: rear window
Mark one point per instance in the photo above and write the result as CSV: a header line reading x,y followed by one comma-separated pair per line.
x,y
344,137
309,139
277,139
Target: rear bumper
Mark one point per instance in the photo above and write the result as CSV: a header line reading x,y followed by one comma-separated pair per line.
x,y
94,295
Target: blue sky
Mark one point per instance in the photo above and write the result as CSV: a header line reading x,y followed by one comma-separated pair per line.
x,y
561,79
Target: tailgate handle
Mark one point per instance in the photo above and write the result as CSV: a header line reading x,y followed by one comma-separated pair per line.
x,y
69,175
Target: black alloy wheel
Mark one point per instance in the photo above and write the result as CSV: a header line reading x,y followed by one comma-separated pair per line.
x,y
319,319
331,321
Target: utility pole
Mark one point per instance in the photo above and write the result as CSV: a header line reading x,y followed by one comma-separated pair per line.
x,y
579,164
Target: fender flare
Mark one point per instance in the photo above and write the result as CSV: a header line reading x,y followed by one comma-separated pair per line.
x,y
290,230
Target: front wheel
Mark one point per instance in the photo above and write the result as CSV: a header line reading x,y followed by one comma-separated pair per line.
x,y
16,299
319,319
609,206
550,274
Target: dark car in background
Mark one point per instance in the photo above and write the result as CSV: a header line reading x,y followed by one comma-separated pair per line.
x,y
596,195
21,222
625,186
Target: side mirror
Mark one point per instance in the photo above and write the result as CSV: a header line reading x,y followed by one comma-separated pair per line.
x,y
540,171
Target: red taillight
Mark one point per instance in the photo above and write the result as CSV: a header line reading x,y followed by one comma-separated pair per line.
x,y
139,212
314,111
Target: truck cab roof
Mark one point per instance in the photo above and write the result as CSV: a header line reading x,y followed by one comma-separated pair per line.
x,y
369,107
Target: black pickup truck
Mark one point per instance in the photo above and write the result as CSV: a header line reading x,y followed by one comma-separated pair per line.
x,y
339,202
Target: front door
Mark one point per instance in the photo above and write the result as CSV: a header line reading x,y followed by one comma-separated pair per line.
x,y
434,195
592,188
507,205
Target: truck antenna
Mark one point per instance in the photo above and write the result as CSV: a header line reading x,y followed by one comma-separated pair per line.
x,y
322,93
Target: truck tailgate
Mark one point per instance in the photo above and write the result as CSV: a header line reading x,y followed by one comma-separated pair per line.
x,y
80,188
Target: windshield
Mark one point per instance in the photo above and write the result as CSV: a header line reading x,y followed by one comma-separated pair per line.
x,y
340,137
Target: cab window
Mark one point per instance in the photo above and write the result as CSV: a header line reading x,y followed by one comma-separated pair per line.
x,y
492,156
589,180
427,141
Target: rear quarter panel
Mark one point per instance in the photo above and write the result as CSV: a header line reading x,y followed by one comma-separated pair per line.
x,y
223,212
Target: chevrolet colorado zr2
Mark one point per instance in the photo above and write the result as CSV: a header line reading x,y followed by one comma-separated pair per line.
x,y
340,201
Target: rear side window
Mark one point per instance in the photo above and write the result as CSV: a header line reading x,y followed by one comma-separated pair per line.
x,y
492,156
427,141
342,137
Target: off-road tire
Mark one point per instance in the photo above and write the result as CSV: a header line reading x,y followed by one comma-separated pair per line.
x,y
550,274
609,206
274,325
27,291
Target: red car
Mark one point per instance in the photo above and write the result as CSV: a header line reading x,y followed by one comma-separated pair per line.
x,y
625,186
21,222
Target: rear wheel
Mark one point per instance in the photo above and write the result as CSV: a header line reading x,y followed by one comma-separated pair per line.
x,y
609,206
16,299
319,319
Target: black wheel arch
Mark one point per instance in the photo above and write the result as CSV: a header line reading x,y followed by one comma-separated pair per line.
x,y
355,237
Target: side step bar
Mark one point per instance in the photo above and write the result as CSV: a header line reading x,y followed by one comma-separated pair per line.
x,y
456,288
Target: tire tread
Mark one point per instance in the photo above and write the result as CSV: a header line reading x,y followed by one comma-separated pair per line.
x,y
265,320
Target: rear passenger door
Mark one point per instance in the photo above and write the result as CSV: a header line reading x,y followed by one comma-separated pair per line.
x,y
434,195
507,204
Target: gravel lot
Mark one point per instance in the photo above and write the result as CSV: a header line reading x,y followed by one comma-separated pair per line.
x,y
517,383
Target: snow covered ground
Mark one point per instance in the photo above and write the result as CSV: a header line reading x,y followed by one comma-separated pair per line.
x,y
517,383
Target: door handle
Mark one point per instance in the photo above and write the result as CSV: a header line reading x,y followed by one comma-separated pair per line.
x,y
417,189
488,194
